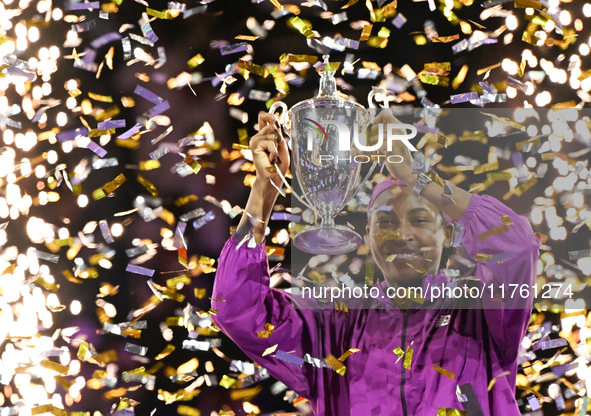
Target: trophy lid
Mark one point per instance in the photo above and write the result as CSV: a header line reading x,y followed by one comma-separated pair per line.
x,y
328,95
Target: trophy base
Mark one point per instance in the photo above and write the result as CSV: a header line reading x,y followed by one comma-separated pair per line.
x,y
327,240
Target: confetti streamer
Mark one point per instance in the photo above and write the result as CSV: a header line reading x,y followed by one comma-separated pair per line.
x,y
132,268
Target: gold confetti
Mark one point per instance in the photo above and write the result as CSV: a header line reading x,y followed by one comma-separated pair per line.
x,y
371,65
391,257
184,200
58,368
267,332
495,378
195,61
148,185
366,32
444,39
254,68
149,164
486,167
483,257
246,394
277,4
447,411
336,365
48,408
522,4
288,58
387,235
102,98
165,14
369,273
488,68
270,350
460,77
300,26
188,367
433,79
349,4
341,306
188,411
348,353
165,352
443,371
228,382
408,358
99,133
247,38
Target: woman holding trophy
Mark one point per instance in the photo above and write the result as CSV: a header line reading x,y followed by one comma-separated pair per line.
x,y
405,358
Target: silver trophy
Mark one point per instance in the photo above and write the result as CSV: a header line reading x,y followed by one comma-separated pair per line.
x,y
328,137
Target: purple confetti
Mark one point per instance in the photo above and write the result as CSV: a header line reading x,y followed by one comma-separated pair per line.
x,y
148,95
89,56
290,358
463,98
549,344
86,6
348,43
40,113
96,149
448,199
281,216
159,109
399,20
215,81
147,29
533,402
423,128
501,256
71,135
104,226
234,48
131,132
111,124
197,224
103,40
132,268
17,72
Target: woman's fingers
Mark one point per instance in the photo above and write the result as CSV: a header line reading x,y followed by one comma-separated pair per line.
x,y
265,119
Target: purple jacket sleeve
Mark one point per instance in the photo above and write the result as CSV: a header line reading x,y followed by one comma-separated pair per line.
x,y
242,281
516,254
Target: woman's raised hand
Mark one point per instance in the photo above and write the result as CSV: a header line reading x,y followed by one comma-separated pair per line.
x,y
269,149
399,170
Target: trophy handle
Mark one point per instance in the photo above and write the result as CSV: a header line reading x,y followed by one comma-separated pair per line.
x,y
284,122
284,118
372,94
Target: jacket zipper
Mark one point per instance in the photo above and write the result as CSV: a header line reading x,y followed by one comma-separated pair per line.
x,y
403,375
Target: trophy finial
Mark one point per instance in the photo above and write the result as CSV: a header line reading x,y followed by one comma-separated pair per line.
x,y
328,83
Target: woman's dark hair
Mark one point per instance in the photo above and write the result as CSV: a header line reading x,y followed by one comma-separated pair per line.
x,y
446,255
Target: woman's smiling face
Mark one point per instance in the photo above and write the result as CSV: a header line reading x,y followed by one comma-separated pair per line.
x,y
406,236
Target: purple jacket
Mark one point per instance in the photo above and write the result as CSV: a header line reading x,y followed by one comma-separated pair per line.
x,y
476,345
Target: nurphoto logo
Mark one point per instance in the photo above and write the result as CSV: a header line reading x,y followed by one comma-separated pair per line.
x,y
344,139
